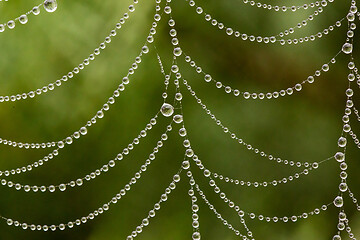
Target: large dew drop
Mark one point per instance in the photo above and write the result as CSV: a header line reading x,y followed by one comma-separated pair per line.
x,y
167,110
347,48
50,5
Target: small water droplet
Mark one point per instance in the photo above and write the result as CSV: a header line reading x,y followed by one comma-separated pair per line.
x,y
50,5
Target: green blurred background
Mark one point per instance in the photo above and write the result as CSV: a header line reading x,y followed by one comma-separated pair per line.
x,y
304,127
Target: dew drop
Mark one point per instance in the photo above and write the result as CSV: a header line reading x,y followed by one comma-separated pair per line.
x,y
196,236
23,19
338,201
178,118
167,110
50,5
347,48
342,142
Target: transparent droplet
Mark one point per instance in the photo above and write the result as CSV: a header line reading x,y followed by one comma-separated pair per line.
x,y
50,5
177,52
342,142
178,96
62,187
79,182
189,152
167,110
23,19
11,24
83,130
196,236
185,164
339,156
36,10
343,187
347,48
2,28
178,118
336,237
182,132
338,201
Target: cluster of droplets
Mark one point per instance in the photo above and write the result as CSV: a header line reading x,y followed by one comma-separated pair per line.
x,y
49,6
256,184
105,206
224,221
99,114
194,208
272,39
261,217
31,166
285,219
76,70
241,141
104,169
268,95
292,8
152,213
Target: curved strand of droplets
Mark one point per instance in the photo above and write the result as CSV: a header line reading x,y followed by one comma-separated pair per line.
x,y
105,207
253,95
23,18
100,113
55,153
283,8
241,141
157,206
97,172
268,39
219,216
261,217
256,184
76,70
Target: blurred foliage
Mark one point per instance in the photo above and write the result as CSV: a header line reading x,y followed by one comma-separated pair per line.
x,y
304,127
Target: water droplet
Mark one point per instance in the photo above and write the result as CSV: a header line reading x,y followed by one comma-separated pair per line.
x,y
338,201
23,19
50,5
177,52
189,152
347,48
36,10
339,156
336,237
182,132
178,96
62,187
343,187
178,118
196,236
83,130
167,110
185,164
342,142
11,24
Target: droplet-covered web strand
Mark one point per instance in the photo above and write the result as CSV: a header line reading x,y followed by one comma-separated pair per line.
x,y
99,114
49,6
268,39
76,70
293,8
95,213
267,95
104,169
241,141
